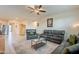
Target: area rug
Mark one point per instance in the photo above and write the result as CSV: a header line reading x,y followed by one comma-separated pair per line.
x,y
25,48
48,48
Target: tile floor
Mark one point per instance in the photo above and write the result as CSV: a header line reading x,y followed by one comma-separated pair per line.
x,y
20,45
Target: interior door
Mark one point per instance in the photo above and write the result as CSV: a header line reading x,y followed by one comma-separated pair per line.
x,y
22,29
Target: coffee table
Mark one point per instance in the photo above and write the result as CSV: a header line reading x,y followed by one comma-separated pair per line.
x,y
37,43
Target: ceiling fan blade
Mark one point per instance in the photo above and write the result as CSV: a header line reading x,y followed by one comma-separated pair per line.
x,y
31,8
42,10
40,6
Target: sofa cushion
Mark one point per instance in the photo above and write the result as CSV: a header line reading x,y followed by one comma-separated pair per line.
x,y
54,35
59,32
56,38
47,31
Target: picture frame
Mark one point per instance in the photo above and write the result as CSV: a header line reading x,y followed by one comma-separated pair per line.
x,y
50,22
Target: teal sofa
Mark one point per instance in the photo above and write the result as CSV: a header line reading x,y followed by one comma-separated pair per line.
x,y
74,49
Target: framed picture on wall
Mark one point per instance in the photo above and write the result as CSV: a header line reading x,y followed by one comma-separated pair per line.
x,y
50,22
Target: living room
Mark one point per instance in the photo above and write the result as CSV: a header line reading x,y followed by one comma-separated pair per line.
x,y
27,28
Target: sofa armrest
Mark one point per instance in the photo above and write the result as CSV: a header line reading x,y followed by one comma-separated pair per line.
x,y
74,49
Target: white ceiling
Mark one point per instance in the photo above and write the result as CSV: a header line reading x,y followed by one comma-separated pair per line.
x,y
21,11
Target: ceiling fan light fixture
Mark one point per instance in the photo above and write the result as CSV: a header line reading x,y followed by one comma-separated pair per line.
x,y
37,9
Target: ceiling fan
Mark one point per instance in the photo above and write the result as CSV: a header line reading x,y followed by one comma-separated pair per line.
x,y
37,9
